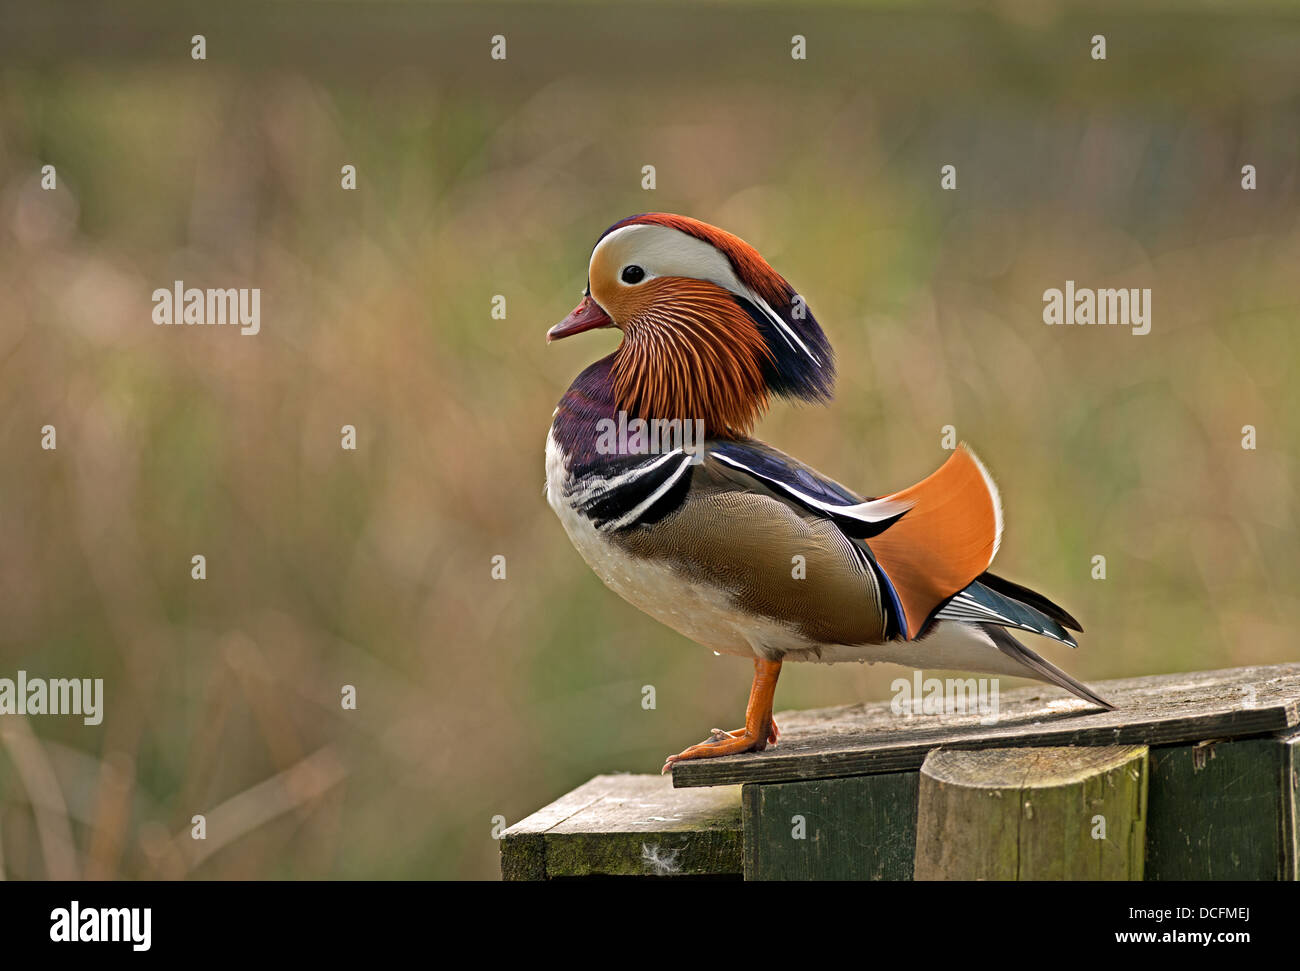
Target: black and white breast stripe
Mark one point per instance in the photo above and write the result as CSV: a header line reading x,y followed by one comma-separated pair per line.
x,y
633,492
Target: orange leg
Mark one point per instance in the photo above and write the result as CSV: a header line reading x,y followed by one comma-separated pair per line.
x,y
760,727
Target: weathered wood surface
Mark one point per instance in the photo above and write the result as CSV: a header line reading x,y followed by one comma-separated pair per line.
x,y
1050,813
862,828
1291,814
870,738
628,825
1225,810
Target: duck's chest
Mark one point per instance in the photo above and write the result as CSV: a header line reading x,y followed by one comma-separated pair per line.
x,y
700,611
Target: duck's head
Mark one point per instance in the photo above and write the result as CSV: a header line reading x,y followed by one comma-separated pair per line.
x,y
710,330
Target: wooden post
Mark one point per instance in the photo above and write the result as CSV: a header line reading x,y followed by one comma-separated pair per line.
x,y
863,828
1060,813
628,825
1225,810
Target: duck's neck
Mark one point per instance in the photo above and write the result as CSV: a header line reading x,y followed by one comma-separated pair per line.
x,y
703,364
577,418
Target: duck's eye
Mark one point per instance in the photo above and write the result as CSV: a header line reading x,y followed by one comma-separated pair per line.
x,y
633,274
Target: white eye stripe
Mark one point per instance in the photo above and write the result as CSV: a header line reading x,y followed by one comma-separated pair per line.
x,y
664,251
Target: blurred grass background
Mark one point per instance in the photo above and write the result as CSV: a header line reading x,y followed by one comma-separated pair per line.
x,y
480,698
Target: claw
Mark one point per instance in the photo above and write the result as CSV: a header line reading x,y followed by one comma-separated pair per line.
x,y
760,728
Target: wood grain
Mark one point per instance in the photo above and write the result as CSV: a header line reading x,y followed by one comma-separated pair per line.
x,y
628,825
862,828
871,738
1225,810
1051,813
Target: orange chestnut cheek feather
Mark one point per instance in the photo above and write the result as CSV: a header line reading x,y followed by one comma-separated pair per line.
x,y
689,351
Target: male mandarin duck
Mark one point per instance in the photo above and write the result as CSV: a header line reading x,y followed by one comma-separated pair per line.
x,y
704,538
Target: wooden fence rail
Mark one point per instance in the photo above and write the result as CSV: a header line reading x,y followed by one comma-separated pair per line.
x,y
1192,776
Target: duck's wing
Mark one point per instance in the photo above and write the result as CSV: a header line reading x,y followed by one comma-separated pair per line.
x,y
928,542
930,546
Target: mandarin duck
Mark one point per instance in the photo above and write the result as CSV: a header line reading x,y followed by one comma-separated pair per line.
x,y
702,536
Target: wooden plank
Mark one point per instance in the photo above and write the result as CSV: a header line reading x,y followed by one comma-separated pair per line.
x,y
1225,810
865,739
862,828
1291,806
1051,813
628,825
523,845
